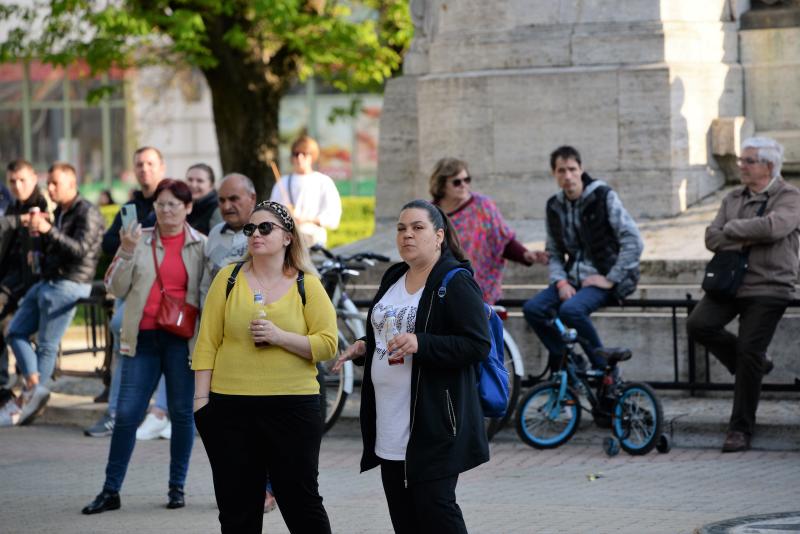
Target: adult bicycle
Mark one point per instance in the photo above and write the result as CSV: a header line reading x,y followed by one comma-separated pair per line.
x,y
335,272
550,413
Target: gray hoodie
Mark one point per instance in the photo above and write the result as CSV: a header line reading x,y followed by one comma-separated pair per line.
x,y
626,234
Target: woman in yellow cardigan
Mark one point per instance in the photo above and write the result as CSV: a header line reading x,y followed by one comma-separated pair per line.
x,y
257,407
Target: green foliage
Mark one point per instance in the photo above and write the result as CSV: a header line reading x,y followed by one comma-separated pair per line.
x,y
358,221
355,45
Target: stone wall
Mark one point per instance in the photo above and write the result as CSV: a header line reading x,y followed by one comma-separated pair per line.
x,y
771,61
635,85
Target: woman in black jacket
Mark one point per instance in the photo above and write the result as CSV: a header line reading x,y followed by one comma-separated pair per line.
x,y
421,419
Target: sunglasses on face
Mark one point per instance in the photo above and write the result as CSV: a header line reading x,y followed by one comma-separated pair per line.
x,y
457,181
264,228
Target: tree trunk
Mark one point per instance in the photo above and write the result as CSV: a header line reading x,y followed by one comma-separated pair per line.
x,y
246,94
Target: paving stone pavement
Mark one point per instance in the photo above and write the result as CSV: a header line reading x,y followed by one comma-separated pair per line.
x,y
50,472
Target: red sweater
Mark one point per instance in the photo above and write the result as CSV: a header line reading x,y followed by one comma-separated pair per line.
x,y
173,275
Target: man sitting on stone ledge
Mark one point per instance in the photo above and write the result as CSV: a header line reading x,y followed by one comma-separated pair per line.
x,y
594,247
764,215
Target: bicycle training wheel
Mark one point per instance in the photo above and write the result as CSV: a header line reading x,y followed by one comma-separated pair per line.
x,y
543,420
638,418
332,392
493,426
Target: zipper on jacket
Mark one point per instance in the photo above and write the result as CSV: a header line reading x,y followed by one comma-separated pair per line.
x,y
451,412
416,395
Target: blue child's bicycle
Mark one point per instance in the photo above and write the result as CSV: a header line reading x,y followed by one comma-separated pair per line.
x,y
550,413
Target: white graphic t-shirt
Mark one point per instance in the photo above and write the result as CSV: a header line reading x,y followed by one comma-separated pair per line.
x,y
393,382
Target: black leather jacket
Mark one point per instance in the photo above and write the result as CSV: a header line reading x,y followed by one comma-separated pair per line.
x,y
72,246
15,243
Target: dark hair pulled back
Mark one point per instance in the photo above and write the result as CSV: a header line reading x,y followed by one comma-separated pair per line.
x,y
440,220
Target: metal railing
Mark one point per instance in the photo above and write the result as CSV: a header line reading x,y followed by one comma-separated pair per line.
x,y
695,381
95,311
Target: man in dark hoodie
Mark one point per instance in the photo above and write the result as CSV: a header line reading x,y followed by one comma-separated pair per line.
x,y
594,248
16,274
149,168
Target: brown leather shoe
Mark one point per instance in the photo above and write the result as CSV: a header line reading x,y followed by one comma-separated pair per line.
x,y
736,442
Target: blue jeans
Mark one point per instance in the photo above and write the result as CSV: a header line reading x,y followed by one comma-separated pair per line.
x,y
574,313
157,353
47,308
113,390
115,326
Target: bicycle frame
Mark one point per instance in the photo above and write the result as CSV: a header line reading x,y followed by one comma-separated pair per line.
x,y
568,374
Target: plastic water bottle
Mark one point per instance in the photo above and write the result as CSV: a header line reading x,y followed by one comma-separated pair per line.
x,y
392,330
259,314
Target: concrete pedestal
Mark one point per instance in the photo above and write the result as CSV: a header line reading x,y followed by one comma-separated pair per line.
x,y
634,85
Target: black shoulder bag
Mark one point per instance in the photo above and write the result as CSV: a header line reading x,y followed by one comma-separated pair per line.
x,y
726,270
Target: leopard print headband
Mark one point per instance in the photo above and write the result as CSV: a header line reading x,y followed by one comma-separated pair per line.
x,y
280,211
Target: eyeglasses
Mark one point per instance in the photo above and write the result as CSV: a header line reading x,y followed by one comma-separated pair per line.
x,y
748,161
170,205
264,228
457,181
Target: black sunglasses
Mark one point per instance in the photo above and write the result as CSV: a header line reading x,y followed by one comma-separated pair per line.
x,y
457,181
264,228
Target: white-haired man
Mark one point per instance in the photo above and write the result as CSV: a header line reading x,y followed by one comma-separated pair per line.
x,y
761,219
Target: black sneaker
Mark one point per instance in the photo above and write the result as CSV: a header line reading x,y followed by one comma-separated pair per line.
x,y
102,428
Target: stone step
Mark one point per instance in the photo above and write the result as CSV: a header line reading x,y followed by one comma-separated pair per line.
x,y
691,422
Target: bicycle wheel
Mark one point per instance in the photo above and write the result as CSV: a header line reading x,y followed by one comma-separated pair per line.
x,y
544,421
332,390
638,418
493,426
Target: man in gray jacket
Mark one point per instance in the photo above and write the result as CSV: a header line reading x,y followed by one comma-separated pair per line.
x,y
594,247
764,215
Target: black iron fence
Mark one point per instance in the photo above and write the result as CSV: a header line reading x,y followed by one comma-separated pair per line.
x,y
97,312
696,380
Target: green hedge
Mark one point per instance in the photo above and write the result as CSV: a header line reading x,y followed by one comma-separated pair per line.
x,y
358,221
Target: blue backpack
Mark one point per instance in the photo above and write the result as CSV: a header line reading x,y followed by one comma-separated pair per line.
x,y
492,372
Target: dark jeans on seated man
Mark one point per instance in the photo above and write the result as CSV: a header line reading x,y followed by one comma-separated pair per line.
x,y
743,354
574,313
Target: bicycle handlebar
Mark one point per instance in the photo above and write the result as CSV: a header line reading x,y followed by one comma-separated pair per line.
x,y
362,257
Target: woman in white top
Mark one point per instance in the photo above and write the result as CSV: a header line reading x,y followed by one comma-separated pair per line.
x,y
421,419
311,196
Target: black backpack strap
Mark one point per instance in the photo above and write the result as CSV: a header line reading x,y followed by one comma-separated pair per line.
x,y
301,286
232,279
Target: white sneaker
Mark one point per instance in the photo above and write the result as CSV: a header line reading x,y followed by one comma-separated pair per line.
x,y
167,432
151,427
34,402
9,413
